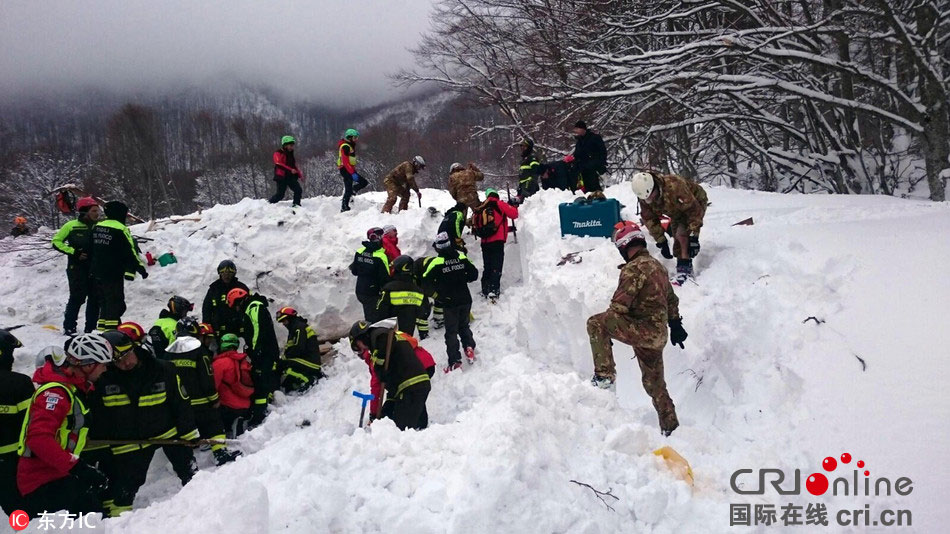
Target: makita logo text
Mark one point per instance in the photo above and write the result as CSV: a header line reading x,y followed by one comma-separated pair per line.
x,y
588,224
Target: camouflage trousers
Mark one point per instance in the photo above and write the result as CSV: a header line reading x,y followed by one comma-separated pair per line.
x,y
605,327
394,190
469,197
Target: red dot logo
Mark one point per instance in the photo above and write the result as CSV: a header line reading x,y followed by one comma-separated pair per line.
x,y
816,484
860,463
19,520
846,458
867,473
829,464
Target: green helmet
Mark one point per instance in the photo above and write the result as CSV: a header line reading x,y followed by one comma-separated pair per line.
x,y
287,139
351,133
229,341
489,192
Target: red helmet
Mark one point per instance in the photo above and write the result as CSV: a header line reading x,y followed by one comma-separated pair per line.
x,y
85,203
134,330
235,295
625,233
374,234
205,329
285,313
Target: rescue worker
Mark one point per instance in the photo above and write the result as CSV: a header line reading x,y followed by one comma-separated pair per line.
x,y
529,173
493,246
462,185
74,240
401,298
193,363
346,161
639,312
232,379
450,274
260,342
396,365
207,337
50,473
16,391
371,268
419,267
684,202
141,398
400,181
165,330
286,173
590,156
215,310
391,245
115,259
299,366
453,223
19,227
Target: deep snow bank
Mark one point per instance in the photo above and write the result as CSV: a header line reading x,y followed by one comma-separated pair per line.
x,y
754,388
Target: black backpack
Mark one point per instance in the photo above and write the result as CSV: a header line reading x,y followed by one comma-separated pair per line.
x,y
487,220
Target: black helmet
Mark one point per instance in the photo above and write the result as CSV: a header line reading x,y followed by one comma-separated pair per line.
x,y
357,331
120,341
188,326
8,342
402,264
179,306
227,266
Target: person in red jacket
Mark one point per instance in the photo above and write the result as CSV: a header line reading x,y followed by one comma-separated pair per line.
x,y
286,173
232,379
346,161
493,246
50,475
391,244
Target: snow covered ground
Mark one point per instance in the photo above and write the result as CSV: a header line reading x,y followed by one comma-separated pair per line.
x,y
756,387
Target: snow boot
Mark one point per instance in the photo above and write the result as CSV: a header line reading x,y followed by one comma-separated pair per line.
x,y
669,423
684,270
452,366
223,456
470,355
602,382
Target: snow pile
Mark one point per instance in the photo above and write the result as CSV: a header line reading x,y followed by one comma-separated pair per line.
x,y
755,386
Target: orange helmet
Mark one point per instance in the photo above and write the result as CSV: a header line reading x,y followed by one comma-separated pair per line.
x,y
134,330
285,313
19,220
235,295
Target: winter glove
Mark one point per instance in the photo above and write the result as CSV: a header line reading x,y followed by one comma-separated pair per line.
x,y
89,477
144,272
665,249
693,246
356,177
569,158
677,333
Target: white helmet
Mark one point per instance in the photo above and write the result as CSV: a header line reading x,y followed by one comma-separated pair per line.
x,y
419,161
86,349
456,167
52,353
642,184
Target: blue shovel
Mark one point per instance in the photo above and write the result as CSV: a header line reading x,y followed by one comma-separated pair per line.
x,y
366,398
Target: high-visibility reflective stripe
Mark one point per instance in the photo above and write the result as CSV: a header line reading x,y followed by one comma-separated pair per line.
x,y
185,363
94,448
218,446
7,409
116,400
298,376
375,360
71,434
152,400
7,449
305,363
198,401
253,311
115,510
339,155
260,401
406,298
191,435
122,449
411,382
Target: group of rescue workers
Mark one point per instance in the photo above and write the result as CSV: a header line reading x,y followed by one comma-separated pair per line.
x,y
80,434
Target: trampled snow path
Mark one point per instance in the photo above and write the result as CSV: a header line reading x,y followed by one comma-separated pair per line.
x,y
754,388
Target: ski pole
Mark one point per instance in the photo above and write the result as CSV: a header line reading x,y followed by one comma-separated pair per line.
x,y
366,398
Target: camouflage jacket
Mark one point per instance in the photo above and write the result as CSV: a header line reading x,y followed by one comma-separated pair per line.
x,y
677,198
645,297
462,183
402,176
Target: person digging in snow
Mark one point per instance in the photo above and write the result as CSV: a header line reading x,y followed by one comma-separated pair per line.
x,y
400,181
684,202
639,312
391,244
300,367
402,298
260,342
462,184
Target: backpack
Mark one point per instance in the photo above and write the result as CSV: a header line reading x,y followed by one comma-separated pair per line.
x,y
65,201
486,221
425,358
244,373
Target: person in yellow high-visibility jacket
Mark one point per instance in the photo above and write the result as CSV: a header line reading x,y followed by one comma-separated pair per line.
x,y
346,161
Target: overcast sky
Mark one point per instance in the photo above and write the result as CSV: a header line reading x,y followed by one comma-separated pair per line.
x,y
315,49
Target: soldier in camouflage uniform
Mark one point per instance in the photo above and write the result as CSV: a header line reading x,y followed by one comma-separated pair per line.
x,y
400,181
462,184
642,306
684,202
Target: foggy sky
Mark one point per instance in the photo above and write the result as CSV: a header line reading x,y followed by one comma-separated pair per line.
x,y
319,50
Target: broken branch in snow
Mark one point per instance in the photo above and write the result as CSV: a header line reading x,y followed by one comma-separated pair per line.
x,y
600,494
813,318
